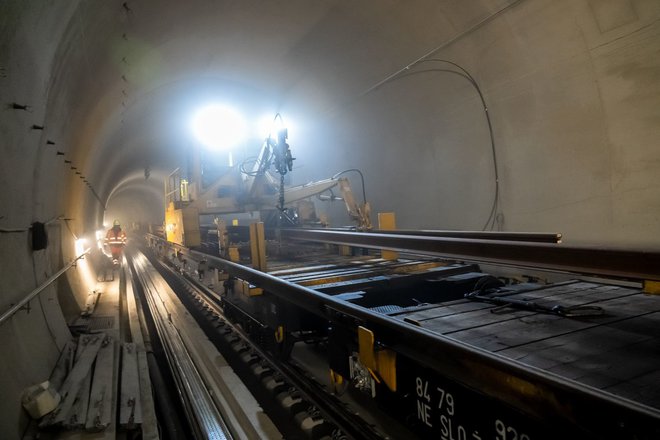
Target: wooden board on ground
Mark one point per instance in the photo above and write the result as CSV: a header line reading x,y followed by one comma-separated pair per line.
x,y
99,414
64,364
149,422
78,413
130,407
88,347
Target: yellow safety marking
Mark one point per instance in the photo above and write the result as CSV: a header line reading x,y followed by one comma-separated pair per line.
x,y
373,375
258,246
233,254
383,361
173,222
336,378
335,278
261,239
191,232
251,290
279,334
254,246
418,267
387,222
652,287
386,360
366,347
246,289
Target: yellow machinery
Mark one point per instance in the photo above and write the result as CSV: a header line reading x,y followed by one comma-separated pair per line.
x,y
241,190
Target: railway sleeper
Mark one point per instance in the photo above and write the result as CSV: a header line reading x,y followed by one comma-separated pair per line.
x,y
277,395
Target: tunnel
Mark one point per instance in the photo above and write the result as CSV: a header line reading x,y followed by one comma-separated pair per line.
x,y
486,115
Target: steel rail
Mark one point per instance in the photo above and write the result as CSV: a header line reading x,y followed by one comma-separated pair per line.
x,y
331,411
16,307
535,237
616,263
166,401
538,393
202,412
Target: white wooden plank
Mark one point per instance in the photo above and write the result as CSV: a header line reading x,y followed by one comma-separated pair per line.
x,y
64,364
130,408
149,421
88,347
78,413
99,413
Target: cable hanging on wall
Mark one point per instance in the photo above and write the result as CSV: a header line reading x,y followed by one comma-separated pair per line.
x,y
495,216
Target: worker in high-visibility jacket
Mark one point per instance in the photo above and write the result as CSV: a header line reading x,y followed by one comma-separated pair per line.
x,y
115,239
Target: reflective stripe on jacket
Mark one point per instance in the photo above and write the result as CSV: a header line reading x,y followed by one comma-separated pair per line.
x,y
115,238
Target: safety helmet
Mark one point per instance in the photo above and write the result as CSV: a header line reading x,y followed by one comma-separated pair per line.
x,y
116,223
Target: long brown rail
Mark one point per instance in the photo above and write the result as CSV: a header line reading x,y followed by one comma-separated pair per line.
x,y
617,263
535,237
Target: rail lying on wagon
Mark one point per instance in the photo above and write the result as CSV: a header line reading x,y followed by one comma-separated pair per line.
x,y
456,341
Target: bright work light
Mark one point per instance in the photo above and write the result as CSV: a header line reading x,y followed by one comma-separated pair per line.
x,y
219,127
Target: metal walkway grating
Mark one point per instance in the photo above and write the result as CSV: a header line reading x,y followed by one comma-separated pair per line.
x,y
101,322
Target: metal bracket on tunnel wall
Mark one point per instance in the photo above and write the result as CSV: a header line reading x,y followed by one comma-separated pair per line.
x,y
382,361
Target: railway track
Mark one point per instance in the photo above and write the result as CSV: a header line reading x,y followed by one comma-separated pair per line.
x,y
298,403
509,396
202,411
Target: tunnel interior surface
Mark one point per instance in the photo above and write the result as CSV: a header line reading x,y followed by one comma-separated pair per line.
x,y
496,115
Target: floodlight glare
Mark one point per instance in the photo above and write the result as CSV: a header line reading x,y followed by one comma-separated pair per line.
x,y
268,127
219,127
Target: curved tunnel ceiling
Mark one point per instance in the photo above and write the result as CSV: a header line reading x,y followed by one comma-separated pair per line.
x,y
573,107
96,91
135,71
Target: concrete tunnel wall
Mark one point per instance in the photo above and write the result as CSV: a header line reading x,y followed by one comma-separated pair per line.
x,y
573,92
572,87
